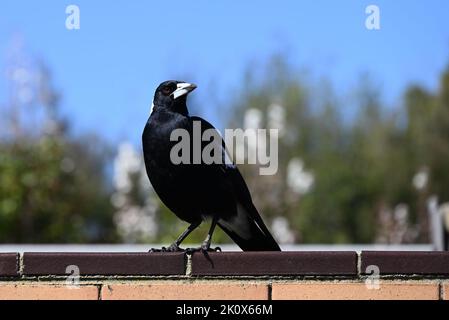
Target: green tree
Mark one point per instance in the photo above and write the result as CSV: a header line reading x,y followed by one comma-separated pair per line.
x,y
53,186
372,174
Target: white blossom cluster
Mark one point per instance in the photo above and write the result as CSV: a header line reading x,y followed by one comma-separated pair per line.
x,y
135,222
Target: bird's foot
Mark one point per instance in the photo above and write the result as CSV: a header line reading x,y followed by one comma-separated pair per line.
x,y
205,248
172,248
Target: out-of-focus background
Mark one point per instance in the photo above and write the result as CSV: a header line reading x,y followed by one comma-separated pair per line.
x,y
363,115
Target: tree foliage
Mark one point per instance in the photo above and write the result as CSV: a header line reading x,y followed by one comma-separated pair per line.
x,y
53,186
364,167
344,176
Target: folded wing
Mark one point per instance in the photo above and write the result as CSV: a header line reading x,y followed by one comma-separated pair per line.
x,y
246,228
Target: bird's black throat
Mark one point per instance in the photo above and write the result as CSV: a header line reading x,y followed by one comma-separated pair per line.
x,y
178,106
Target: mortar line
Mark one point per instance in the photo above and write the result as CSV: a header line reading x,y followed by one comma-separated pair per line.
x,y
270,291
188,265
359,264
100,290
20,264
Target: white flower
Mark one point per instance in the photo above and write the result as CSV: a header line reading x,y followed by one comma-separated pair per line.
x,y
400,213
281,230
135,222
118,199
252,119
421,178
127,161
276,118
298,180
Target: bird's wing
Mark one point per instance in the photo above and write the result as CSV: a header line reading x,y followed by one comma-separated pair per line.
x,y
247,228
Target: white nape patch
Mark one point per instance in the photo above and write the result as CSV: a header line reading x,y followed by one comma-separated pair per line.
x,y
152,107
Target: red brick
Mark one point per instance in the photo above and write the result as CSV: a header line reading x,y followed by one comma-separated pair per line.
x,y
355,291
180,290
47,292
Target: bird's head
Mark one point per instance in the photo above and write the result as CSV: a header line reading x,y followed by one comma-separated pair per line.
x,y
172,95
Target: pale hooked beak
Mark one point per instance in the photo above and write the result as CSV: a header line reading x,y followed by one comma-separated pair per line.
x,y
183,88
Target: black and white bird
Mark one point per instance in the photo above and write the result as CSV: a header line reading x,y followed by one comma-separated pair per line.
x,y
196,192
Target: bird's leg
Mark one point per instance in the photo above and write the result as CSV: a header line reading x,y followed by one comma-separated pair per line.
x,y
205,246
175,245
184,235
206,243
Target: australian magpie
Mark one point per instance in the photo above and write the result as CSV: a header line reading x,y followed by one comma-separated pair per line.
x,y
198,191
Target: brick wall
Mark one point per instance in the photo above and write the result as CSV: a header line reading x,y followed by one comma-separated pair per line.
x,y
226,275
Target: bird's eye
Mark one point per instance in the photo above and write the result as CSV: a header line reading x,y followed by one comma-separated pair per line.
x,y
166,91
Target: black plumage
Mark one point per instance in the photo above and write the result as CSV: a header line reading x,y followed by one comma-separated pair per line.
x,y
195,192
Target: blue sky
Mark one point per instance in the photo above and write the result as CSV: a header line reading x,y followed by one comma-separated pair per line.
x,y
108,69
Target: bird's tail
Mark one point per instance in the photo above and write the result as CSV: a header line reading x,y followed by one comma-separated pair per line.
x,y
248,230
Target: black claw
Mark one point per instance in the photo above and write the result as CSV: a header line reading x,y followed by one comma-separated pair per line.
x,y
174,248
171,248
202,249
